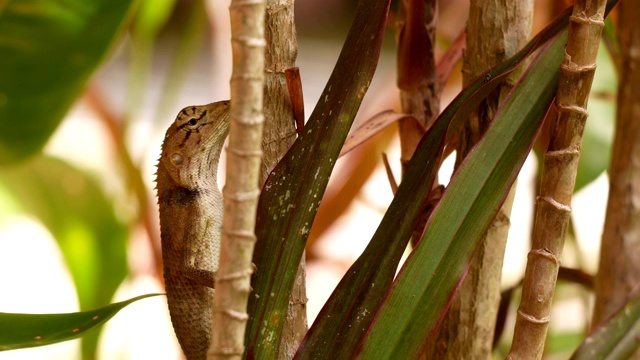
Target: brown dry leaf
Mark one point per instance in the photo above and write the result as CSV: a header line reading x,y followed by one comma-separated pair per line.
x,y
448,61
369,128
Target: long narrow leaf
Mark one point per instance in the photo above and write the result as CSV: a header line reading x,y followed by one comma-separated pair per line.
x,y
292,193
433,272
347,314
29,330
617,338
77,212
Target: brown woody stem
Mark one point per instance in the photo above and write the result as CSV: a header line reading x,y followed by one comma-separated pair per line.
x,y
281,107
495,30
417,80
553,207
618,272
244,157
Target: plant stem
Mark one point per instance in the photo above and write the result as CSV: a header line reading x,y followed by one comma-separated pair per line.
x,y
417,80
495,31
553,207
279,134
618,272
241,191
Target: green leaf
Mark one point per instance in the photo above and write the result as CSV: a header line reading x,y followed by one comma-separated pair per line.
x,y
292,193
343,320
421,293
30,330
74,208
617,337
48,49
150,18
191,33
562,343
610,39
347,314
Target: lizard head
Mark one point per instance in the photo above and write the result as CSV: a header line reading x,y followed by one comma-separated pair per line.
x,y
192,144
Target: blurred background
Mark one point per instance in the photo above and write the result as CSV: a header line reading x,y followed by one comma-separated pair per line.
x,y
78,221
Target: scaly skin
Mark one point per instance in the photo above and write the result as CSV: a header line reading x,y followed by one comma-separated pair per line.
x,y
190,220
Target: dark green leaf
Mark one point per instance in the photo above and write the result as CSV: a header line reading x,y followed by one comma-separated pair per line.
x,y
292,193
617,337
48,49
343,320
422,291
29,330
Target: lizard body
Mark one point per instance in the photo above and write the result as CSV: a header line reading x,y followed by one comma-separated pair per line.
x,y
190,220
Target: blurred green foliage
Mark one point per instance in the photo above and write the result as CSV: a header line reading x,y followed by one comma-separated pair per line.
x,y
48,50
72,205
598,133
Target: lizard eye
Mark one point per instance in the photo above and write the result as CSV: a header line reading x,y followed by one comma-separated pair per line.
x,y
193,122
177,159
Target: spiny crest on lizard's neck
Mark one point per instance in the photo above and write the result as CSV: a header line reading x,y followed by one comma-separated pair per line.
x,y
192,144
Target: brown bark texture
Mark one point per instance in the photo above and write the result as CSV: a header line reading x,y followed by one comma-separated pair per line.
x,y
244,156
279,134
495,31
280,54
417,79
619,270
553,206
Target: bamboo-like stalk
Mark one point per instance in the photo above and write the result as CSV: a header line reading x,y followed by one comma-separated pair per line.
x,y
553,206
495,31
241,191
618,272
279,134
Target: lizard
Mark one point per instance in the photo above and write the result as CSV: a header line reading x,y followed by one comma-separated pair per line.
x,y
190,220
